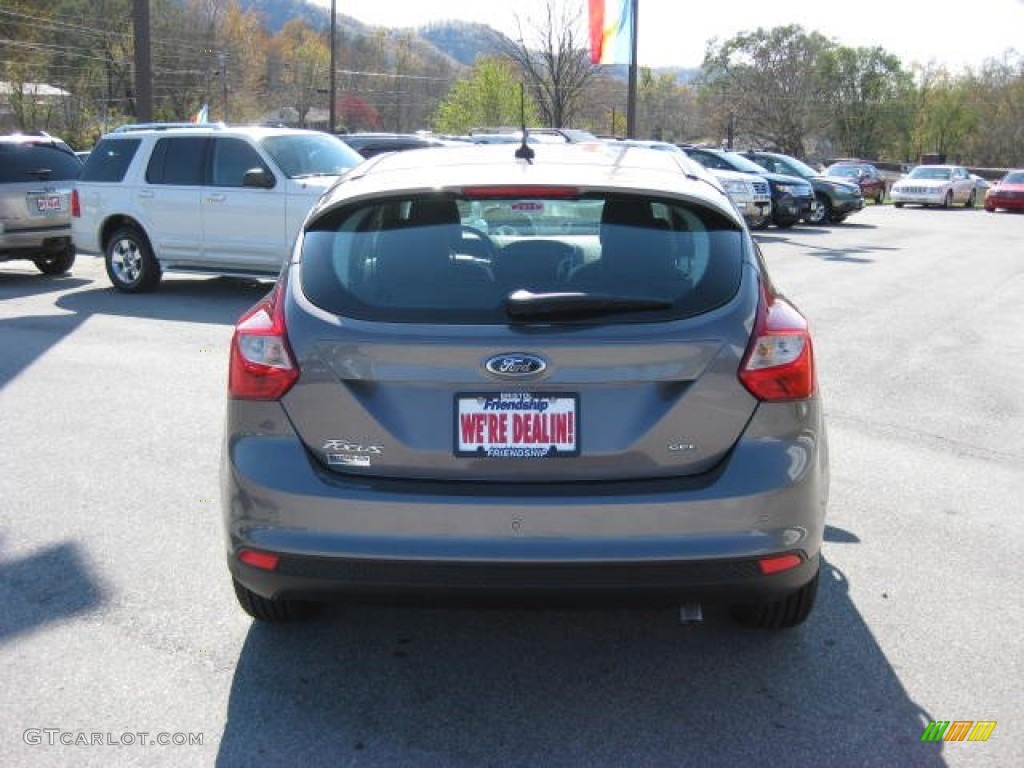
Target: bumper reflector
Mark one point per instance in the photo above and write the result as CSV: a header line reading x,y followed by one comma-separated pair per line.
x,y
776,564
262,560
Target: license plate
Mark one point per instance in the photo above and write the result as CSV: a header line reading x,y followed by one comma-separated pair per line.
x,y
47,205
517,425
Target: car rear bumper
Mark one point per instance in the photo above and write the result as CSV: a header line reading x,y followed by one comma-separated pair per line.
x,y
25,244
670,537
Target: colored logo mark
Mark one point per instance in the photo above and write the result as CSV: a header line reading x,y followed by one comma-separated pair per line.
x,y
958,730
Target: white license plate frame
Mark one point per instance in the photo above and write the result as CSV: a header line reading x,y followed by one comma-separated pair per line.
x,y
516,425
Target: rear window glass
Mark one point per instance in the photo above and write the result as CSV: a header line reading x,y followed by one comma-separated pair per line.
x,y
109,160
463,260
31,161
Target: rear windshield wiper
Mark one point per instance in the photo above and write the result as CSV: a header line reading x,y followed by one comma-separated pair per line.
x,y
526,305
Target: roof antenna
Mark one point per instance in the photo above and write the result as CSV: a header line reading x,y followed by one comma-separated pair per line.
x,y
525,151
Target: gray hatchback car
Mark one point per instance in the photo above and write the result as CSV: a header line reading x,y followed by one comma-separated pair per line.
x,y
560,376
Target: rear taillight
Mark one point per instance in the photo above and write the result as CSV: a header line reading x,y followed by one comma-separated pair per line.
x,y
261,365
779,363
76,206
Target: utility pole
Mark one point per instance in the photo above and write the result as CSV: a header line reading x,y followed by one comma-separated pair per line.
x,y
334,32
143,69
224,78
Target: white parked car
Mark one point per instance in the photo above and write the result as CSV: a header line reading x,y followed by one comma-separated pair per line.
x,y
750,193
205,198
942,185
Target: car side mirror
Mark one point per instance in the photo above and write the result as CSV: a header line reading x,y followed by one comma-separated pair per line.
x,y
258,177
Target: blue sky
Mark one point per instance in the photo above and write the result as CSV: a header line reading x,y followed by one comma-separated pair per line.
x,y
675,32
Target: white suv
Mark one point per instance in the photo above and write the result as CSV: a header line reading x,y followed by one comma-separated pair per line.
x,y
205,198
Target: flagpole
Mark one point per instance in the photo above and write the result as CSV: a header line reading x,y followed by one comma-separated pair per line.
x,y
631,94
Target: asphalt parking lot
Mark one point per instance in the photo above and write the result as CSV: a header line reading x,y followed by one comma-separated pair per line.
x,y
119,618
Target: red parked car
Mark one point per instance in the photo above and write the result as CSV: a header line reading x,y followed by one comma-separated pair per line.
x,y
865,175
1007,193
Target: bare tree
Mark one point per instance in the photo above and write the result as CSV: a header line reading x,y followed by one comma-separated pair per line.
x,y
554,61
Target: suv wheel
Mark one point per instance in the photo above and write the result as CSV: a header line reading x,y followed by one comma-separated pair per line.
x,y
822,211
56,263
131,266
268,609
786,613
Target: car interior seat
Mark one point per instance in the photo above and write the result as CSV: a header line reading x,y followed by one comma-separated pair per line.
x,y
638,253
416,265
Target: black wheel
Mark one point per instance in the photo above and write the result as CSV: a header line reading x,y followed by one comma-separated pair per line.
x,y
947,201
972,198
790,611
897,205
760,223
131,266
822,211
56,263
271,610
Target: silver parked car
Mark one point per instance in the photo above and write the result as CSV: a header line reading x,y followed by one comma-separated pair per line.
x,y
37,174
486,374
941,185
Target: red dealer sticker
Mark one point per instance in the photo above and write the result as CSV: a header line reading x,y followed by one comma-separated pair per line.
x,y
517,425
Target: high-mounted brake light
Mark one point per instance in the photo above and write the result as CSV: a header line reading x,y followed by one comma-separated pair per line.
x,y
261,365
779,363
520,190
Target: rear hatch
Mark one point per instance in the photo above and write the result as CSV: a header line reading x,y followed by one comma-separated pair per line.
x,y
591,339
36,180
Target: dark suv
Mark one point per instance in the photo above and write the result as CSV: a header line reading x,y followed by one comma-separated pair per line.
x,y
37,173
792,197
836,199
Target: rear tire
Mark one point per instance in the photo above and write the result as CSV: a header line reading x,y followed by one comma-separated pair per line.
x,y
897,205
276,611
130,263
786,613
972,199
56,263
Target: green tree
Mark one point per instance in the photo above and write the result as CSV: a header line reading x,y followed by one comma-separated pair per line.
x,y
489,96
996,95
944,121
771,80
867,99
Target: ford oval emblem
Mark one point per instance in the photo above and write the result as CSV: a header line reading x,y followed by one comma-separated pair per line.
x,y
515,365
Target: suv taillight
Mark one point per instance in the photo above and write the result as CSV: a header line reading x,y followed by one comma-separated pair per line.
x,y
261,365
779,363
76,206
